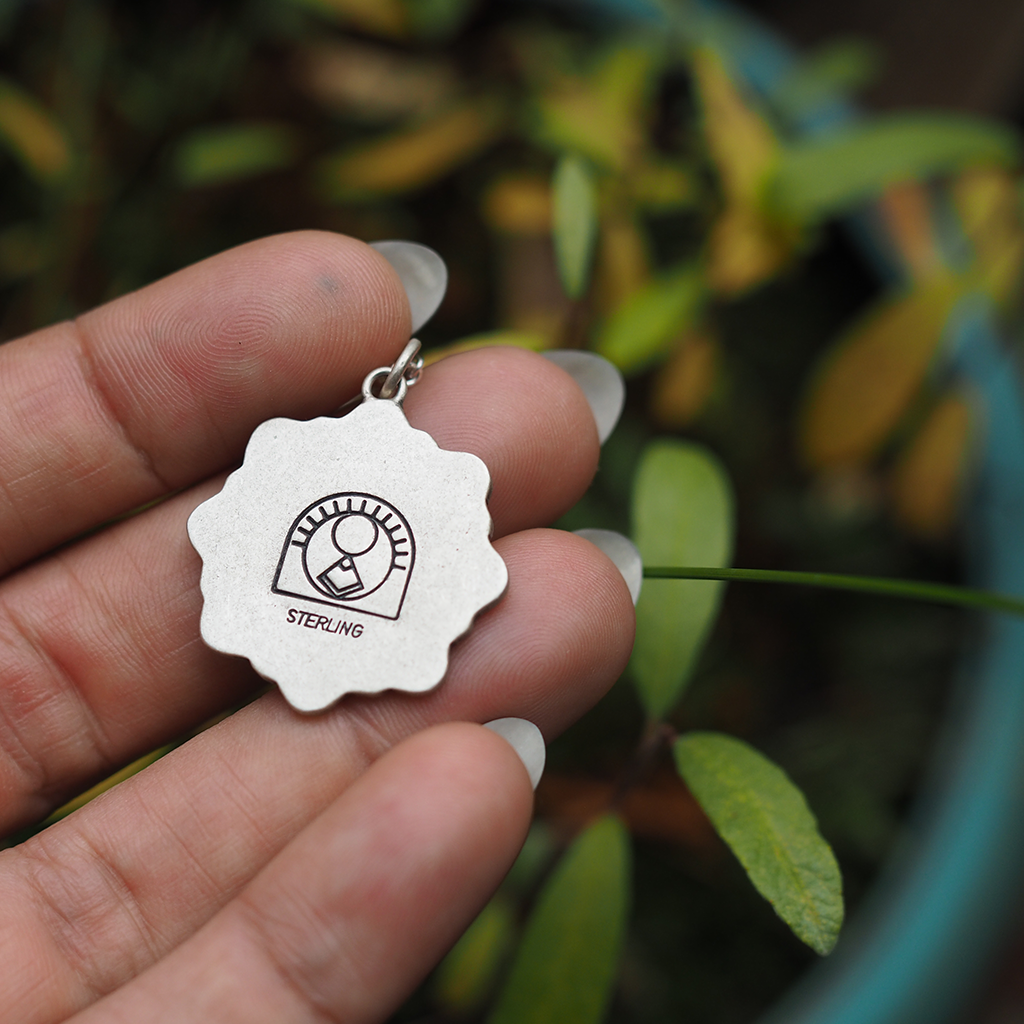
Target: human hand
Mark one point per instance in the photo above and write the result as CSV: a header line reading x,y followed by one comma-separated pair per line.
x,y
276,867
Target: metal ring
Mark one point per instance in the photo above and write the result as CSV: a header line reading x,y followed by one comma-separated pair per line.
x,y
405,368
374,375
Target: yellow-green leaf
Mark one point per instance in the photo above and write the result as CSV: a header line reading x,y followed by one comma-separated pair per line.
x,y
928,479
868,380
30,134
765,820
824,177
642,330
599,114
739,139
414,157
466,975
682,515
233,152
565,968
574,195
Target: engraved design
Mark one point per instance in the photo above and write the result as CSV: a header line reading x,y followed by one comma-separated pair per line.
x,y
364,625
350,550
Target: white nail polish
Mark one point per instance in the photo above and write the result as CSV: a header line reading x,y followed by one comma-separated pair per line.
x,y
526,740
622,551
600,381
423,273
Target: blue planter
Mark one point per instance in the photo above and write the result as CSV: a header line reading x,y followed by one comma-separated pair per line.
x,y
916,949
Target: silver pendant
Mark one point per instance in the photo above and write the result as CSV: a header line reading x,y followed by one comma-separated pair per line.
x,y
347,554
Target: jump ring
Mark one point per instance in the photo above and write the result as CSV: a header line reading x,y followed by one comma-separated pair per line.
x,y
404,368
382,373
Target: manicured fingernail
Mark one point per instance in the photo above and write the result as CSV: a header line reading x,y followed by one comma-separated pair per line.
x,y
423,274
526,740
622,551
601,383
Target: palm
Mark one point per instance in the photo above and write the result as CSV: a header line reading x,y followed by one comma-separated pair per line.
x,y
146,904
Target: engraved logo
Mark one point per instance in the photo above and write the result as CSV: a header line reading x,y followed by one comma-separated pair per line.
x,y
348,550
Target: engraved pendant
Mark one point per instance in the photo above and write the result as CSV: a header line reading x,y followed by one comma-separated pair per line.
x,y
347,554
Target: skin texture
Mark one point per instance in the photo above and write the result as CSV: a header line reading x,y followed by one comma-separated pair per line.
x,y
277,867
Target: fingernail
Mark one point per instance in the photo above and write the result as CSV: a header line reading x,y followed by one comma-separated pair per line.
x,y
601,383
526,740
423,273
622,551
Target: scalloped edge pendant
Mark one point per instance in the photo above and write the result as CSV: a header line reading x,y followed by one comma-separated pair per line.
x,y
347,555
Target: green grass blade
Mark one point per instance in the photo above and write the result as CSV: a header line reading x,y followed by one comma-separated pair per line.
x,y
915,590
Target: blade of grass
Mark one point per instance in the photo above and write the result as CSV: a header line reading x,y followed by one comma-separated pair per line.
x,y
916,590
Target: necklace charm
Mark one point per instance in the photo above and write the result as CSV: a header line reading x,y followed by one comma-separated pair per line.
x,y
347,554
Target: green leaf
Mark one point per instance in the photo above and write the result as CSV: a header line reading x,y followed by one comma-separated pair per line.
x,y
565,967
438,19
232,152
574,196
819,178
467,974
765,820
682,515
642,330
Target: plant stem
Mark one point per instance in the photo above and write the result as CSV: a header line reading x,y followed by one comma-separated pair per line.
x,y
939,593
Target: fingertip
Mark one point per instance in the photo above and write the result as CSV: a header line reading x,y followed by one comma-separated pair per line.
x,y
534,429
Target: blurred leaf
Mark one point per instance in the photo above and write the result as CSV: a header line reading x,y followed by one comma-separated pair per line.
x,y
438,19
824,177
741,143
928,479
835,69
868,379
661,187
623,261
30,134
467,974
684,384
765,820
682,515
744,250
906,212
537,853
233,152
22,251
643,329
987,202
519,204
535,342
368,82
600,115
565,968
387,18
414,157
574,196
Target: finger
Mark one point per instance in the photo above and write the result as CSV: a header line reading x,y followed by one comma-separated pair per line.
x,y
351,915
98,897
162,387
101,650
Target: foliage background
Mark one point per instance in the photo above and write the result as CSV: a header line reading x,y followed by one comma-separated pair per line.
x,y
141,137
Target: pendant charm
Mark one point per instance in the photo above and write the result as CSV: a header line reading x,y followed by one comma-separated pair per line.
x,y
347,554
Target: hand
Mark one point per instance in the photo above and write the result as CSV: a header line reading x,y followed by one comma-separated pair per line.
x,y
277,867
